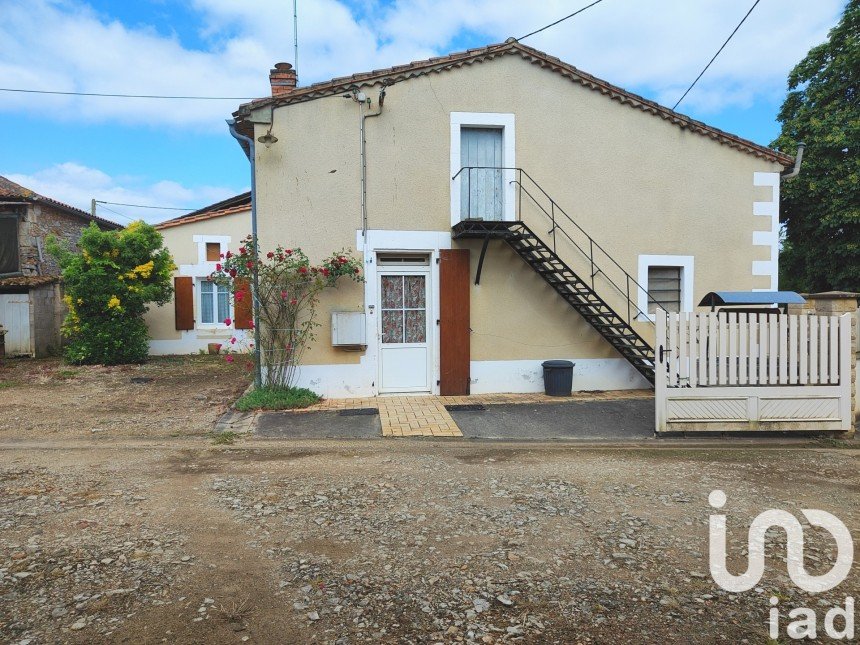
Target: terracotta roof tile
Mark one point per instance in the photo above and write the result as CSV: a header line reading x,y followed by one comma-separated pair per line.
x,y
29,280
203,214
391,75
10,190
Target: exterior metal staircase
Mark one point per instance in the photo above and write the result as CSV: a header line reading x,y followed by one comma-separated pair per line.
x,y
577,292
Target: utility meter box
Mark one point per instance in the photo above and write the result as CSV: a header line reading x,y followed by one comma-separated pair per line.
x,y
348,329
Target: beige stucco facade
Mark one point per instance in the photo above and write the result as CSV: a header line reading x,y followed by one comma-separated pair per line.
x,y
639,185
187,244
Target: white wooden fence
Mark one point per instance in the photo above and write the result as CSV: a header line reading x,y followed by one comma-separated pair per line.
x,y
729,371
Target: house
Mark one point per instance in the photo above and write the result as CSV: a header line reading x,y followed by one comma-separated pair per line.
x,y
196,316
509,208
31,306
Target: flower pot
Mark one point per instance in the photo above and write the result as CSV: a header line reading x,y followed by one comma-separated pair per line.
x,y
214,348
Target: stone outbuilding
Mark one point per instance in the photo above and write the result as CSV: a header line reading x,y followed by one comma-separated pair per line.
x,y
31,305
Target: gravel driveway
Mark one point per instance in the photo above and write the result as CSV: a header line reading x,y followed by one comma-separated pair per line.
x,y
382,542
130,538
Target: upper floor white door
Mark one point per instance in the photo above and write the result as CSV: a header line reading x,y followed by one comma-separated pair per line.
x,y
482,187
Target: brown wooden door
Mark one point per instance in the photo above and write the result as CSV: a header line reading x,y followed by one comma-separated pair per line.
x,y
454,321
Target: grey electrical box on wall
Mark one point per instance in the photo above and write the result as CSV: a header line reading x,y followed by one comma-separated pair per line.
x,y
348,329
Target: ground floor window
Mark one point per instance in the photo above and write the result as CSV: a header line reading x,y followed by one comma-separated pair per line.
x,y
666,283
214,303
664,289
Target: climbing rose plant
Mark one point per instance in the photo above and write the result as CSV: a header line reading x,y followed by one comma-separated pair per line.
x,y
289,288
109,283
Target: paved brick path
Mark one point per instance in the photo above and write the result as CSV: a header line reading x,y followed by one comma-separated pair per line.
x,y
416,416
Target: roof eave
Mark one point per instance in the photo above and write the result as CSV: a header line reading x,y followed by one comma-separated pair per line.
x,y
443,63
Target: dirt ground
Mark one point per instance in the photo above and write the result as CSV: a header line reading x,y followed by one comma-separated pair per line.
x,y
167,397
146,532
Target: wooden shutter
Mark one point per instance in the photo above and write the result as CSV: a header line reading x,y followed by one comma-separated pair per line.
x,y
183,299
243,310
454,292
213,251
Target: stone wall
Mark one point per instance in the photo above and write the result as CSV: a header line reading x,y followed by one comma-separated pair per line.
x,y
45,308
40,222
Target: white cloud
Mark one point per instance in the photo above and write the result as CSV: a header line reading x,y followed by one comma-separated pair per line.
x,y
76,185
655,47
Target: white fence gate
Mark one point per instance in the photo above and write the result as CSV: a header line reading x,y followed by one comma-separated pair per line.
x,y
15,319
730,371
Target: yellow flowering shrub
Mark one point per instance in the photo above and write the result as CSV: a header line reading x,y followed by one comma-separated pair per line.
x,y
105,320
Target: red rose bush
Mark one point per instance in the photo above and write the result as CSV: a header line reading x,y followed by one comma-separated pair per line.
x,y
289,288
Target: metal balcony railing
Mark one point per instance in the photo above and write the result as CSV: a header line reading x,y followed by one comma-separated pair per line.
x,y
601,263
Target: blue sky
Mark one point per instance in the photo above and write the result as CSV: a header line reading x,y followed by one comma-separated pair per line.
x,y
178,153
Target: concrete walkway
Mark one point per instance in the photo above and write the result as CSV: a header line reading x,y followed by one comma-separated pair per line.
x,y
622,420
602,415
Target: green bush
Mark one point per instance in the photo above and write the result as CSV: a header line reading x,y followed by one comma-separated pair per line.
x,y
108,285
270,398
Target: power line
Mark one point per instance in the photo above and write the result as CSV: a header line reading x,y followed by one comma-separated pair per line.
x,y
130,96
560,20
110,210
245,98
160,208
731,35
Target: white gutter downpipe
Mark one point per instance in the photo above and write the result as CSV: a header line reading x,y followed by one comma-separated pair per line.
x,y
787,175
241,138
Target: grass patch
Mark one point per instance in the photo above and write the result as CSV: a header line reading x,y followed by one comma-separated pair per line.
x,y
275,399
66,373
225,438
835,442
4,384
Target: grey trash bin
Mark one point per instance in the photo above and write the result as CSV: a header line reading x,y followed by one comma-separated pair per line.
x,y
557,378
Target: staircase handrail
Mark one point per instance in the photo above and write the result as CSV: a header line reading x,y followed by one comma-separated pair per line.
x,y
591,241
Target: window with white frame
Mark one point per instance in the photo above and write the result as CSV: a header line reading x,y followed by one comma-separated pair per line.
x,y
666,283
214,303
210,248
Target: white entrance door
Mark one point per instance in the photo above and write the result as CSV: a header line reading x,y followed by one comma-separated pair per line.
x,y
15,319
404,329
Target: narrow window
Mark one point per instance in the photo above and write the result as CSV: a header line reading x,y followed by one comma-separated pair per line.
x,y
213,251
223,303
207,302
9,244
664,288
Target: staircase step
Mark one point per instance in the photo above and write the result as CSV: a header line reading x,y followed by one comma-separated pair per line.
x,y
573,290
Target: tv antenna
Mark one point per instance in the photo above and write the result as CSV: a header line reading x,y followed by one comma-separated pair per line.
x,y
296,36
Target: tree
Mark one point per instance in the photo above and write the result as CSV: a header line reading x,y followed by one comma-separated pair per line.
x,y
108,285
289,289
821,206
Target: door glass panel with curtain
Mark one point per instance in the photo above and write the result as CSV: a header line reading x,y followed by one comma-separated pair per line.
x,y
481,187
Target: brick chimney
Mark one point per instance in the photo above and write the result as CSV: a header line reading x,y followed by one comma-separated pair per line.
x,y
283,79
